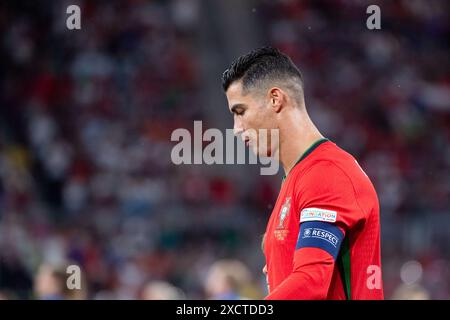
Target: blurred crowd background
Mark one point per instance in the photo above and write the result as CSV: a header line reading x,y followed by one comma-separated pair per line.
x,y
85,123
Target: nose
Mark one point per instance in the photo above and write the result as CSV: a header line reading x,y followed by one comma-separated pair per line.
x,y
238,128
264,270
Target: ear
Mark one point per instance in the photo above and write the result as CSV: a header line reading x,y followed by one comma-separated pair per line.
x,y
277,99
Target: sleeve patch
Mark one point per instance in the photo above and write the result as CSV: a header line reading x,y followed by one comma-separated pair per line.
x,y
317,214
323,235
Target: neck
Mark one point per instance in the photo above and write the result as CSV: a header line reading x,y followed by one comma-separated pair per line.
x,y
296,136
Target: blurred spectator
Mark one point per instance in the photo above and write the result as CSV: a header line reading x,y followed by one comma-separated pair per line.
x,y
51,284
6,295
410,292
161,290
227,280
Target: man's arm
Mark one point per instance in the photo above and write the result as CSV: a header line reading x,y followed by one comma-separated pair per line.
x,y
310,278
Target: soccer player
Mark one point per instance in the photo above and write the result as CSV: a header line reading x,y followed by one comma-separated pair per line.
x,y
323,237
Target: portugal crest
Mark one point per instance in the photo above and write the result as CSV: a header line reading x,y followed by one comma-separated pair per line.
x,y
284,213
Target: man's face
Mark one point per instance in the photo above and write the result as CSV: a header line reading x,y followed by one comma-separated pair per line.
x,y
252,112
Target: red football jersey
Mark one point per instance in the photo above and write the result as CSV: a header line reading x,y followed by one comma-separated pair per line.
x,y
323,236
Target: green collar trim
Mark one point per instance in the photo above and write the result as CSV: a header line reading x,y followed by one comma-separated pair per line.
x,y
307,153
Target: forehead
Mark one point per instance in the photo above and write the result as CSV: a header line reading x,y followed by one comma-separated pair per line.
x,y
236,96
235,90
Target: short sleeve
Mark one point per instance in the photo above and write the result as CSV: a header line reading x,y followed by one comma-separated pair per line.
x,y
324,193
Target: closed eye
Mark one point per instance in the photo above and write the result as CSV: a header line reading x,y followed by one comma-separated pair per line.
x,y
238,109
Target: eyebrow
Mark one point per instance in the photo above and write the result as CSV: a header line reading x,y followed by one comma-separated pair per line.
x,y
237,106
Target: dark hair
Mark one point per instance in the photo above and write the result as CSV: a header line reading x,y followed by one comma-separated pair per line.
x,y
261,63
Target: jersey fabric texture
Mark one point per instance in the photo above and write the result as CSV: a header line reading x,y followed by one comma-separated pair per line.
x,y
323,237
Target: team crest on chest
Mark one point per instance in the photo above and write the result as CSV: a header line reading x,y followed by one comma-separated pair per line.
x,y
281,231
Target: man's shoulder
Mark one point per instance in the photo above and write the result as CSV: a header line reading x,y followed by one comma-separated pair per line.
x,y
331,165
334,176
327,157
331,152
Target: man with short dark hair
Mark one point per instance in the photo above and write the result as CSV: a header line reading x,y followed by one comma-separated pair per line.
x,y
323,237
